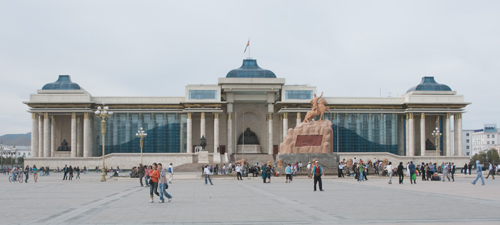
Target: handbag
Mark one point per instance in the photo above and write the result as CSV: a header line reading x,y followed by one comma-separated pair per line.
x,y
414,177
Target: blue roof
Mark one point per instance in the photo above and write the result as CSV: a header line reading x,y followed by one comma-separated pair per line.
x,y
250,69
63,83
429,84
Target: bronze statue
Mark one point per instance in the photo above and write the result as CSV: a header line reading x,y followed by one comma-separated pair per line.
x,y
318,108
203,142
64,146
429,145
248,138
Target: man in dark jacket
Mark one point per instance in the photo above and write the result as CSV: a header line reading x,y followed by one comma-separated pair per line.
x,y
400,172
141,173
65,170
411,167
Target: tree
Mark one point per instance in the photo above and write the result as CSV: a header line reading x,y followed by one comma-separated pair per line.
x,y
486,157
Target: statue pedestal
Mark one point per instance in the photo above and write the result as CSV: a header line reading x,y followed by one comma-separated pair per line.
x,y
216,156
203,157
248,149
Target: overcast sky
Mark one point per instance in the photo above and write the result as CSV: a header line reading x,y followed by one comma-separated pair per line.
x,y
155,48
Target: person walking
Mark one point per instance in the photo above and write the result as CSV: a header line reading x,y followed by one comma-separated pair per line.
x,y
264,173
140,170
65,170
452,171
317,171
408,169
464,169
238,171
389,172
35,173
162,184
479,173
413,176
491,171
70,172
445,173
365,171
171,173
288,172
27,173
423,171
470,169
341,169
153,186
360,171
146,174
269,171
400,172
206,172
77,172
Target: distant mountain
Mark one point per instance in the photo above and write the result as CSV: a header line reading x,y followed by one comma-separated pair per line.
x,y
16,139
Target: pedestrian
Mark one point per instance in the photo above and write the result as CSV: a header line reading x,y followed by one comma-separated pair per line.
x,y
65,170
264,173
309,169
70,172
224,169
413,176
407,169
464,169
445,173
171,173
269,171
470,169
317,171
389,172
206,172
27,173
162,184
400,172
141,173
300,166
452,171
85,171
288,172
423,171
341,169
35,173
479,172
146,175
365,170
77,172
153,183
238,171
360,171
491,170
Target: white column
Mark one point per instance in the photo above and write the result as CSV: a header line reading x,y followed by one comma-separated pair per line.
x,y
458,131
446,133
285,125
189,144
202,125
52,136
216,132
229,134
411,134
40,136
299,119
87,135
270,134
34,135
79,137
46,135
73,135
422,134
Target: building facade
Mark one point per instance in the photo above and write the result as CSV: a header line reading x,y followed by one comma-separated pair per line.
x,y
466,142
485,139
64,125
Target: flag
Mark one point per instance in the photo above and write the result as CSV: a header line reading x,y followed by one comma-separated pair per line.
x,y
248,44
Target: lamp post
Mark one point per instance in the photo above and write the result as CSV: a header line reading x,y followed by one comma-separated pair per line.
x,y
11,160
141,134
104,114
436,134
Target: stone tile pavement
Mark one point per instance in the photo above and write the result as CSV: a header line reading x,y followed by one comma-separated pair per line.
x,y
228,201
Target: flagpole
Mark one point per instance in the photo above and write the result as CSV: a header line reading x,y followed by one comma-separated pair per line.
x,y
249,48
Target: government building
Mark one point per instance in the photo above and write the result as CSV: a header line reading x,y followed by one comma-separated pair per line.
x,y
65,128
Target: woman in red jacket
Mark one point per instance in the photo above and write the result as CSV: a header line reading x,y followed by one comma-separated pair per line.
x,y
154,174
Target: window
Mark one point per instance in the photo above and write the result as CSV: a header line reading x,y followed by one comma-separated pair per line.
x,y
493,142
488,136
467,153
202,94
492,136
298,94
467,141
467,134
467,147
488,142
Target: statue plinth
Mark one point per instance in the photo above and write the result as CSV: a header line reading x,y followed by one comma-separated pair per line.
x,y
312,137
203,157
248,149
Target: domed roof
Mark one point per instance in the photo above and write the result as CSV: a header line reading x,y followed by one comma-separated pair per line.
x,y
250,69
63,83
429,84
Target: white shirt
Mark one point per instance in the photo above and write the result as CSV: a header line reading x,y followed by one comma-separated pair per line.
x,y
354,160
341,166
300,164
238,169
224,167
309,166
206,171
229,165
389,168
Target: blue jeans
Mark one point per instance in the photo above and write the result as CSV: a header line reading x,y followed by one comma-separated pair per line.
x,y
163,187
12,175
480,174
207,176
146,180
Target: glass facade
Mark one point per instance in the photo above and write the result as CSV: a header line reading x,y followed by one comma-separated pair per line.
x,y
166,133
202,94
298,94
353,132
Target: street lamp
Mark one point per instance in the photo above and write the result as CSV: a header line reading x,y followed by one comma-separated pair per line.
x,y
436,134
104,114
141,134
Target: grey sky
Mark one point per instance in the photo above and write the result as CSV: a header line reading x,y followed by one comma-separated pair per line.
x,y
155,48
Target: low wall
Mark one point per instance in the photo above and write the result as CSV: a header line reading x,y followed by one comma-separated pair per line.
x,y
395,159
123,160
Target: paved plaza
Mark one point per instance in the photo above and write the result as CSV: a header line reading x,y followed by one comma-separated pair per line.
x,y
228,201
